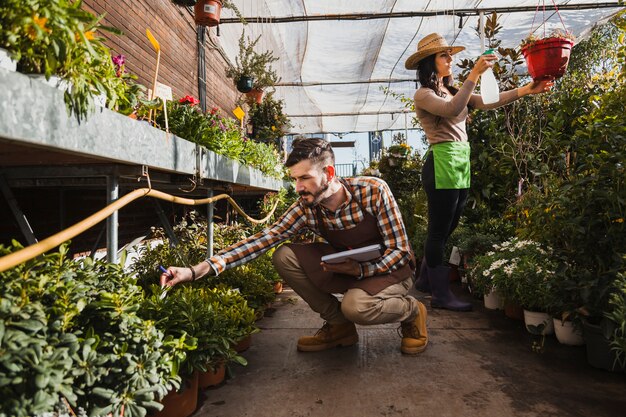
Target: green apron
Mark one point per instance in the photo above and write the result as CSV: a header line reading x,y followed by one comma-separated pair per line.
x,y
452,165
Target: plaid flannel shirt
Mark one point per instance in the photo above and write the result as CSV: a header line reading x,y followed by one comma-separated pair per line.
x,y
372,193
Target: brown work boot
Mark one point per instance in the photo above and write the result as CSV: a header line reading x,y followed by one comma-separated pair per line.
x,y
329,336
414,332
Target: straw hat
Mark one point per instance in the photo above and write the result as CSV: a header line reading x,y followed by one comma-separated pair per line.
x,y
428,45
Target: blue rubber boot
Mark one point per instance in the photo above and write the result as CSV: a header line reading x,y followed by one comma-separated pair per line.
x,y
442,297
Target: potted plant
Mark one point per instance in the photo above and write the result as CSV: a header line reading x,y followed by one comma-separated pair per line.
x,y
268,120
71,330
57,41
481,276
525,271
207,12
252,71
548,57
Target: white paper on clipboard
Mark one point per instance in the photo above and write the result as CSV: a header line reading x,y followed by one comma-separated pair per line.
x,y
366,253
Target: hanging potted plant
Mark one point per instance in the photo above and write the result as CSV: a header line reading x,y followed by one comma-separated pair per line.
x,y
207,12
269,122
548,57
252,71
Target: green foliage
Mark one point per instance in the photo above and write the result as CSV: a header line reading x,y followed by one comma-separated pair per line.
x,y
221,135
214,318
250,63
400,167
520,270
57,37
617,314
70,329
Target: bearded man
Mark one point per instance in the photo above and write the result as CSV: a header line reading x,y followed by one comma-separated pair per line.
x,y
347,213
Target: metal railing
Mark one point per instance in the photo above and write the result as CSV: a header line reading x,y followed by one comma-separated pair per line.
x,y
345,170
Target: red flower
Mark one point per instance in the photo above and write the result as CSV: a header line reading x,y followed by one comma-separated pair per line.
x,y
189,100
214,110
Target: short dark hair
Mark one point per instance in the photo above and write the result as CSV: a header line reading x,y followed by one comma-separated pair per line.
x,y
316,150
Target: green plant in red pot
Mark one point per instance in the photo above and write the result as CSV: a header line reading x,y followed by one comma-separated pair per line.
x,y
548,57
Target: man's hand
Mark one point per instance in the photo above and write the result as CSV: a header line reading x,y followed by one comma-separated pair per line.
x,y
348,267
175,275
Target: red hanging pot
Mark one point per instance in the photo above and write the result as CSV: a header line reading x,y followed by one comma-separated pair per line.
x,y
547,58
207,12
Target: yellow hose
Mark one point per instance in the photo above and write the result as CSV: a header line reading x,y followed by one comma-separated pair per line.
x,y
23,255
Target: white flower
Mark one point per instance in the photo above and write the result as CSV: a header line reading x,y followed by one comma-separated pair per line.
x,y
485,273
490,253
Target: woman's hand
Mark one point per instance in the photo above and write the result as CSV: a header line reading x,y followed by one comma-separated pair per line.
x,y
482,64
537,87
348,267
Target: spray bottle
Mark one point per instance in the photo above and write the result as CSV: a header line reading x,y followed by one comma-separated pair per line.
x,y
489,90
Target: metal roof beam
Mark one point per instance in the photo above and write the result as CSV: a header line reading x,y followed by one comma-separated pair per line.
x,y
365,113
424,13
374,81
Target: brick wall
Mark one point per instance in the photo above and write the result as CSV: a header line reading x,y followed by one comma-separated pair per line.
x,y
175,30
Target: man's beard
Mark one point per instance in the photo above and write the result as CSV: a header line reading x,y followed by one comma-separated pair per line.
x,y
317,196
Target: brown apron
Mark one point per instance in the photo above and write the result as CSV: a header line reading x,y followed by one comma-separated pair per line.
x,y
363,234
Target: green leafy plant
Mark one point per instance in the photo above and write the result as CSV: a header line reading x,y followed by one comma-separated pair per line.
x,y
215,318
250,63
70,331
269,121
617,314
221,135
57,37
520,270
555,34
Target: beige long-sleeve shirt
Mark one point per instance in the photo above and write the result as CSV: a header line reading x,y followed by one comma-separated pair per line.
x,y
443,118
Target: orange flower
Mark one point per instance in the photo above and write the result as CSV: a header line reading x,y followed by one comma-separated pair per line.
x,y
89,35
39,21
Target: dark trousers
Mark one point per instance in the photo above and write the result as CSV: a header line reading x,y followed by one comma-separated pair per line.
x,y
444,211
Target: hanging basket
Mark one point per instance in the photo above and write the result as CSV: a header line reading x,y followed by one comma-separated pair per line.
x,y
244,84
547,58
207,12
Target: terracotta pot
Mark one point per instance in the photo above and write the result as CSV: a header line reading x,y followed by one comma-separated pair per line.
x,y
207,12
255,96
244,344
548,58
278,287
212,378
183,403
513,311
454,273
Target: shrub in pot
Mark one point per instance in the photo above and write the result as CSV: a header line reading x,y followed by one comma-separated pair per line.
x,y
252,65
74,334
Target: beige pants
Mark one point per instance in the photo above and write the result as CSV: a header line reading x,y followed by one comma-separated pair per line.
x,y
390,305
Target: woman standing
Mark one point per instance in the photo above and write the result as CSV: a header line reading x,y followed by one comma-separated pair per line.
x,y
442,111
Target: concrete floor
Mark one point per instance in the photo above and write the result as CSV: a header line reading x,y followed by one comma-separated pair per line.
x,y
477,364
